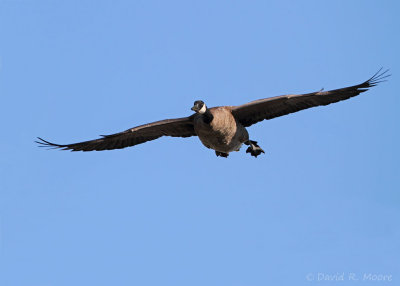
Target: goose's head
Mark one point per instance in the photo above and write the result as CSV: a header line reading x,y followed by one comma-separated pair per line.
x,y
199,107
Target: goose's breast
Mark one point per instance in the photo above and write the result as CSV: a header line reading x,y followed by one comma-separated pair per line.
x,y
223,134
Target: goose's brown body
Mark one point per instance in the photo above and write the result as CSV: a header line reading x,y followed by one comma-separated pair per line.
x,y
224,133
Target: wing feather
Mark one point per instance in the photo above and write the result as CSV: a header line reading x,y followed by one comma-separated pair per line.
x,y
179,127
268,108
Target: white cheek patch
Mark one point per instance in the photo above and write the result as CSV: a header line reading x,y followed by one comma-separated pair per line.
x,y
203,109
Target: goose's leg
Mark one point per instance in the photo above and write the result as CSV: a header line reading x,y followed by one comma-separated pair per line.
x,y
221,154
254,149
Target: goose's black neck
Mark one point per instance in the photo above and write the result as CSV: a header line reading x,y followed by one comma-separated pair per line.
x,y
207,116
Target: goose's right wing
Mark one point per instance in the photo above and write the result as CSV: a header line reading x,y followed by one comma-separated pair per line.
x,y
179,127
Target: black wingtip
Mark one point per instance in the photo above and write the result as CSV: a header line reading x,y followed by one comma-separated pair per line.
x,y
45,143
378,77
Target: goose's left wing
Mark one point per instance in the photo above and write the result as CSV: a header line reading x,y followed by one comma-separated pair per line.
x,y
268,108
179,127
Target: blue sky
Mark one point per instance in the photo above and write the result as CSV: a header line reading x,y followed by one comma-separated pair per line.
x,y
323,200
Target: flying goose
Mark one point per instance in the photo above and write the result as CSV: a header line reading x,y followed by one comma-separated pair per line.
x,y
222,129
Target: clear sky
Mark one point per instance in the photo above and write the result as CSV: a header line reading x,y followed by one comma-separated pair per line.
x,y
324,200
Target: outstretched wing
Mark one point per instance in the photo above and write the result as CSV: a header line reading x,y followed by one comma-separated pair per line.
x,y
179,127
268,108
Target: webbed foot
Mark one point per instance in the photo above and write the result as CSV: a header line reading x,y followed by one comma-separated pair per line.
x,y
221,154
254,149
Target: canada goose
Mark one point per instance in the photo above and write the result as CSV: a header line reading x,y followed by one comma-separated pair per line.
x,y
222,128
